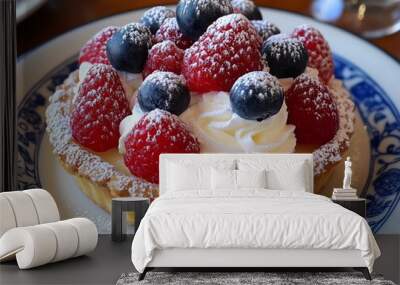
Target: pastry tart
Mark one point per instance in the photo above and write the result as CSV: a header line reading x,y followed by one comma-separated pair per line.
x,y
236,87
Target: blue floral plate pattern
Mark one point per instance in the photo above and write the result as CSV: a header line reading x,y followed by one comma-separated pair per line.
x,y
382,120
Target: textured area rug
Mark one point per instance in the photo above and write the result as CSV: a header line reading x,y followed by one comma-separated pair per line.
x,y
244,278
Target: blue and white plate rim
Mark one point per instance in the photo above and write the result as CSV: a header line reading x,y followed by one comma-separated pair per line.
x,y
79,36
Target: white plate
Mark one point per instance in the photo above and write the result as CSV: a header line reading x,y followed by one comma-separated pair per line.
x,y
369,73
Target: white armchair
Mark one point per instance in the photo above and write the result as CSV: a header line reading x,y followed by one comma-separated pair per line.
x,y
31,230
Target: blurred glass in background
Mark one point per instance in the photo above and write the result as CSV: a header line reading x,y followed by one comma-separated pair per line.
x,y
369,18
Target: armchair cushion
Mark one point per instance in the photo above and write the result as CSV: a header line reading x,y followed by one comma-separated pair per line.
x,y
40,244
31,232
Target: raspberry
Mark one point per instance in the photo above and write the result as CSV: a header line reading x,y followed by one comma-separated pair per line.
x,y
319,53
312,110
94,51
157,132
169,30
98,109
228,49
164,56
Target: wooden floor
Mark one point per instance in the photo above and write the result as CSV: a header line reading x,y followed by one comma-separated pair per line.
x,y
110,260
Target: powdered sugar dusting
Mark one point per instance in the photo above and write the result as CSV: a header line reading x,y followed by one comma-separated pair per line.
x,y
320,99
319,53
137,34
155,16
164,56
233,20
105,32
157,132
282,45
163,46
167,80
155,116
99,108
168,50
160,13
245,6
260,78
332,152
169,30
77,159
228,49
167,124
222,6
265,29
94,50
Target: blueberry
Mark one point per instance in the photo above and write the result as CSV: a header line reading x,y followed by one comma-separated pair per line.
x,y
128,48
164,90
194,16
247,8
265,29
285,56
154,17
256,96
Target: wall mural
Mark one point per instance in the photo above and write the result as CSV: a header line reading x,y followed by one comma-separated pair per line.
x,y
375,152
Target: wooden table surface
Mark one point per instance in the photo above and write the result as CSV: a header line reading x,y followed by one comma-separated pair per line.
x,y
59,16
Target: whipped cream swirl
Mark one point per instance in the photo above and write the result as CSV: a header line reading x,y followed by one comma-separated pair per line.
x,y
220,130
